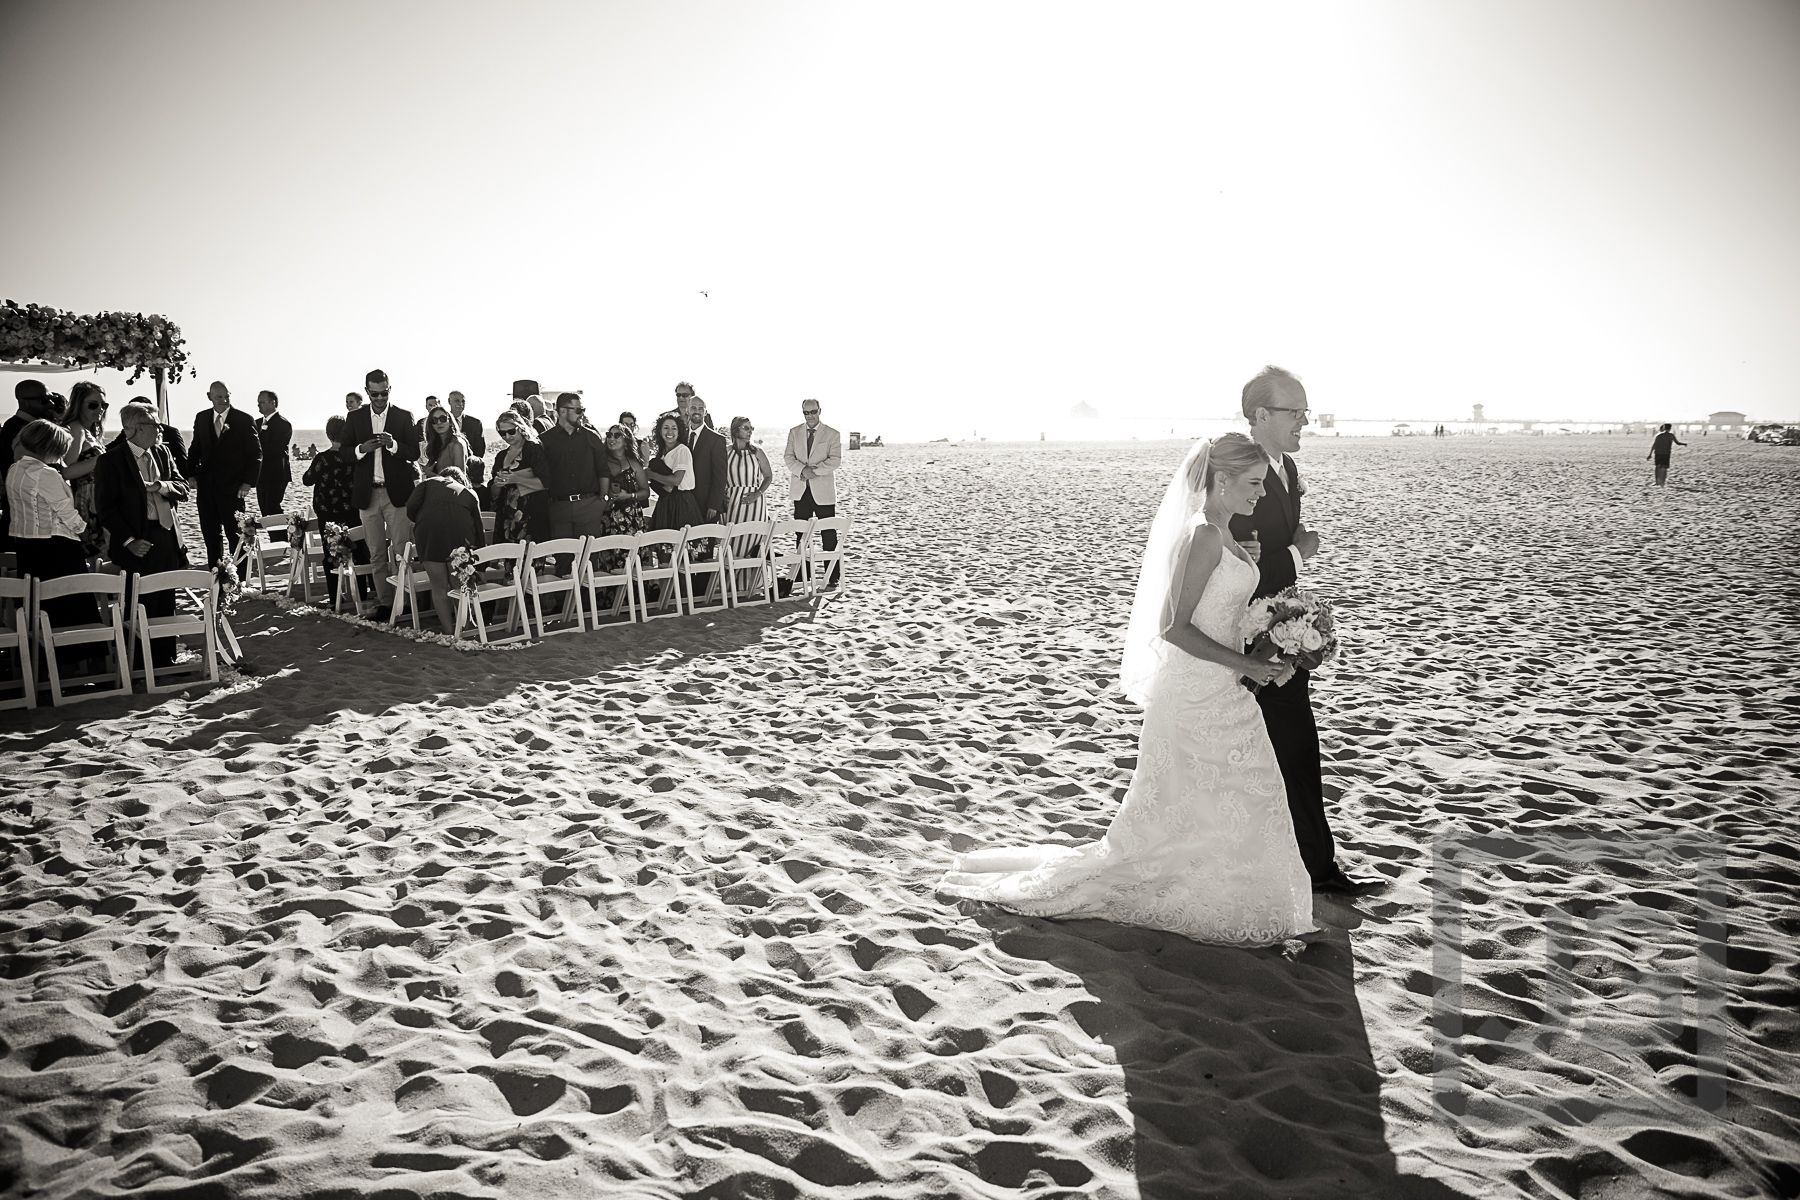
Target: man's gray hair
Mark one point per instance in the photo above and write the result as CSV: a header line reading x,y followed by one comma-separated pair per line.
x,y
1260,391
134,414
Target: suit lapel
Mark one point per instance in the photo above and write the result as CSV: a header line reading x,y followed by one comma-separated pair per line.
x,y
1290,507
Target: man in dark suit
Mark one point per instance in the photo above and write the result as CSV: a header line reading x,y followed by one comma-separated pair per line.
x,y
386,443
708,447
226,459
471,431
275,434
136,488
1275,405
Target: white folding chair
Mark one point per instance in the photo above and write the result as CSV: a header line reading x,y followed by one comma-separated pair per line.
x,y
408,581
711,570
15,599
596,579
310,567
825,568
646,571
749,580
260,556
542,580
487,525
497,572
351,573
145,627
789,541
110,634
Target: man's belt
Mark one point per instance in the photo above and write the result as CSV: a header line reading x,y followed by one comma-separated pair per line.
x,y
582,496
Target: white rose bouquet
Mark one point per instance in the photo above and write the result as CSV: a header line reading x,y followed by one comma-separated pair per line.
x,y
1300,626
337,545
462,572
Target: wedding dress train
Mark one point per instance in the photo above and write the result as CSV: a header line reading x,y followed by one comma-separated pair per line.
x,y
1203,845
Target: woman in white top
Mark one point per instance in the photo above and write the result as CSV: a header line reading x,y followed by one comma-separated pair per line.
x,y
46,529
672,476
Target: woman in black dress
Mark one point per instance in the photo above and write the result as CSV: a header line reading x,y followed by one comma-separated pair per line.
x,y
521,506
672,476
445,516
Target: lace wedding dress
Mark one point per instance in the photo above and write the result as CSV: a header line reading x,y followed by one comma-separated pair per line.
x,y
1203,845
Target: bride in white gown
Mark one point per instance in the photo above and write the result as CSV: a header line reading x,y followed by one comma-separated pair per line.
x,y
1203,845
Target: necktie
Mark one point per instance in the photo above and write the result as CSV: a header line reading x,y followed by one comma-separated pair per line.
x,y
159,505
219,424
809,438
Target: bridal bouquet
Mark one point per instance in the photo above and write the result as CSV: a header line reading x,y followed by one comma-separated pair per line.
x,y
462,572
1295,622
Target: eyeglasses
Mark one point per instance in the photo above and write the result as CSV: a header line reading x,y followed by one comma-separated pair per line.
x,y
1275,408
440,420
95,406
508,432
382,394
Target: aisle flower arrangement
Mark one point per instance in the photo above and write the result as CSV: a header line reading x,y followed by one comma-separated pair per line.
x,y
462,572
300,608
116,340
337,545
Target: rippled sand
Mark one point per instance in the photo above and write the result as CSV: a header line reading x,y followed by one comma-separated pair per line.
x,y
649,913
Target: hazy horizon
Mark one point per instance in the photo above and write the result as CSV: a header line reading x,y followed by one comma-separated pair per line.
x,y
937,219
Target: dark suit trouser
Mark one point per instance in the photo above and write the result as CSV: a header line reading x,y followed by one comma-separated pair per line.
x,y
164,555
218,509
269,497
1288,715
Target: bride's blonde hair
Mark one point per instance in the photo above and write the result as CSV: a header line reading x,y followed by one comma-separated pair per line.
x,y
1232,453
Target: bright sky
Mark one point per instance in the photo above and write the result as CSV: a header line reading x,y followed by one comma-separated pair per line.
x,y
937,218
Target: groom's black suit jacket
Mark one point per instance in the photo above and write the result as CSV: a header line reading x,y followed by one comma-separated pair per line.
x,y
1275,521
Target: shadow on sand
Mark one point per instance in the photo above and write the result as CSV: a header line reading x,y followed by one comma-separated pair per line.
x,y
1249,1075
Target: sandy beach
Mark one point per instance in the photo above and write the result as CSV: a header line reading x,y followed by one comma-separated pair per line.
x,y
649,912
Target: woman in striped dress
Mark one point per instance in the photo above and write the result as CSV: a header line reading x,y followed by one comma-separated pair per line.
x,y
747,477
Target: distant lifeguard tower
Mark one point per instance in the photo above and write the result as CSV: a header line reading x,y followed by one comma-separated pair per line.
x,y
1731,424
1480,414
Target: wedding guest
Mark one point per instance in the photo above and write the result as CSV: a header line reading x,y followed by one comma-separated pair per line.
x,y
445,516
540,416
352,401
1661,450
574,472
471,431
226,459
47,531
34,405
84,420
432,403
644,450
815,451
708,447
629,489
444,443
171,441
137,491
332,477
747,475
276,435
386,457
521,506
671,475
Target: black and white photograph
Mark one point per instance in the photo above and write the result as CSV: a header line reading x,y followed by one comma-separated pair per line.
x,y
785,600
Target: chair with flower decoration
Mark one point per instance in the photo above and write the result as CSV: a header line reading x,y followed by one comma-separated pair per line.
x,y
497,582
351,573
262,557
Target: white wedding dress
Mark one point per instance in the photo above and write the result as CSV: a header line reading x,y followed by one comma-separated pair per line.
x,y
1203,845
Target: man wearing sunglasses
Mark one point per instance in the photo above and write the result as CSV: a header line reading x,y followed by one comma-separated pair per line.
x,y
226,460
1280,543
387,453
276,435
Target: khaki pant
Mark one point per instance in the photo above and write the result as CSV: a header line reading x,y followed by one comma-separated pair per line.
x,y
388,529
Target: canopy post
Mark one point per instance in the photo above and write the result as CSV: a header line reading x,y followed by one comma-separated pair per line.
x,y
162,396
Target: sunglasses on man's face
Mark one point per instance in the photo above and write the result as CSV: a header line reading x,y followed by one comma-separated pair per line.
x,y
379,395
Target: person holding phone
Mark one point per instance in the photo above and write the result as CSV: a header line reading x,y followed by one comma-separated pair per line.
x,y
387,456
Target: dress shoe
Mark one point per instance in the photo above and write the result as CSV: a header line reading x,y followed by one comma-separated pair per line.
x,y
1343,885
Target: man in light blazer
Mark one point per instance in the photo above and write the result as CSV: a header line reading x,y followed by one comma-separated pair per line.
x,y
815,451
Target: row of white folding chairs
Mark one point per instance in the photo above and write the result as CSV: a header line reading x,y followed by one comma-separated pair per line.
x,y
124,624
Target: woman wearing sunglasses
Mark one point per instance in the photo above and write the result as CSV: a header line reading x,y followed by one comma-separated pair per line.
x,y
445,445
521,506
85,418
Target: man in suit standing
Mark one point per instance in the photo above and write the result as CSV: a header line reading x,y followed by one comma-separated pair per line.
x,y
708,447
815,451
471,431
387,447
1274,535
275,433
136,489
226,459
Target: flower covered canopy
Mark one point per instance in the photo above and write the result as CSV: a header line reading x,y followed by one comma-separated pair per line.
x,y
32,333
